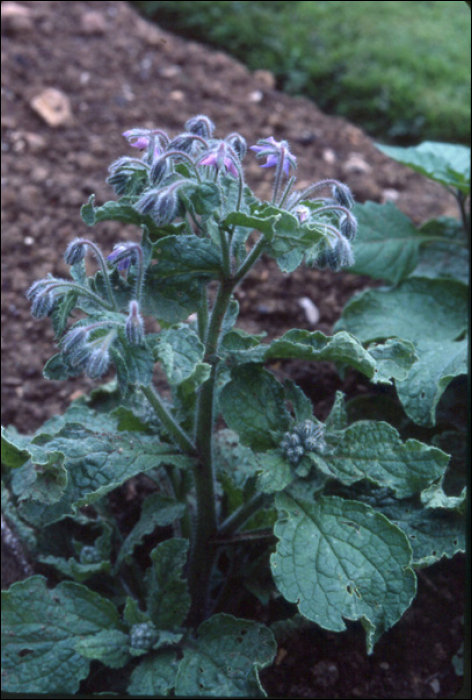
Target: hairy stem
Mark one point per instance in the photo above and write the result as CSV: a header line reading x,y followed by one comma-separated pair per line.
x,y
202,553
178,435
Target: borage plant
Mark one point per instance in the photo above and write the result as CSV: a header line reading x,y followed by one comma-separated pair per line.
x,y
247,499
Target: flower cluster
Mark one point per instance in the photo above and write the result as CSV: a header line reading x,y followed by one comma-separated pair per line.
x,y
305,437
86,346
143,636
162,184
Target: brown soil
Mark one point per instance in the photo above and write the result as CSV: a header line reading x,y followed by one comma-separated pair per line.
x,y
116,71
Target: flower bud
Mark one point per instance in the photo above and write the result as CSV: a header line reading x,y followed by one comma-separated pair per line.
x,y
201,126
134,327
159,170
42,304
302,213
74,339
98,361
75,251
165,207
342,194
146,203
348,227
183,142
344,253
238,144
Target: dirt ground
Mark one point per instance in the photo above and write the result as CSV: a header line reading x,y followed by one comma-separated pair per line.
x,y
114,71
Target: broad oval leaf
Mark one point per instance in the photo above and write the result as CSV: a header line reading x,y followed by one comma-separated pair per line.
x,y
446,163
253,406
41,628
387,242
341,559
418,308
225,660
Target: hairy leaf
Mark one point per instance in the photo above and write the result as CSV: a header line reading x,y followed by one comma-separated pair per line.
x,y
439,362
417,309
180,351
253,405
168,599
314,345
155,675
157,511
340,559
373,450
226,659
96,463
41,628
387,243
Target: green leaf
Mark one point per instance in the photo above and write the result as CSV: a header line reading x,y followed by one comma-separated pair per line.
x,y
15,447
446,163
226,659
314,345
238,346
447,258
75,569
417,309
157,511
435,531
264,223
44,478
168,599
155,675
108,646
439,362
205,197
58,368
275,473
122,211
302,405
374,451
337,419
174,285
40,630
253,406
340,559
134,364
186,257
387,243
180,350
96,463
394,359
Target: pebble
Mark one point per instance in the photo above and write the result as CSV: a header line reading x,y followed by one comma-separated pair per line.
x,y
16,17
53,106
93,23
311,310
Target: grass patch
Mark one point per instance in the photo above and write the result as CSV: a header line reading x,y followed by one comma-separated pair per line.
x,y
401,70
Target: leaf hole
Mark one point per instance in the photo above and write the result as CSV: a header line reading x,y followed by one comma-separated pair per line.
x,y
25,652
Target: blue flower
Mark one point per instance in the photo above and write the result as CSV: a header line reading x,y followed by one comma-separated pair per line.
x,y
275,150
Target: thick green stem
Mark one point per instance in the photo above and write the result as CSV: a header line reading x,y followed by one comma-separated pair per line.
x,y
202,553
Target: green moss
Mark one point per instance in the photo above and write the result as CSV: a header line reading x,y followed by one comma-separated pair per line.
x,y
400,70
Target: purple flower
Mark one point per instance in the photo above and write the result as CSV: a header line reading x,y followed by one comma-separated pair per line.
x,y
221,157
275,150
140,138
